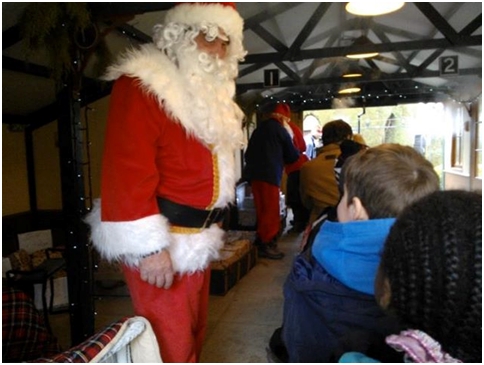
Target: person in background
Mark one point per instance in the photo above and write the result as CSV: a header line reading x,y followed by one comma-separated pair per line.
x,y
312,135
277,351
293,195
169,168
430,278
270,148
318,186
358,138
329,302
348,148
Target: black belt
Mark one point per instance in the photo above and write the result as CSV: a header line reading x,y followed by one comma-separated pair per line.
x,y
185,216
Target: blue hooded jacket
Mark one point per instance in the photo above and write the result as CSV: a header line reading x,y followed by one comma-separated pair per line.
x,y
329,306
350,252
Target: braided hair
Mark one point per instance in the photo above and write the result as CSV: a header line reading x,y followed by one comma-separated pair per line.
x,y
433,261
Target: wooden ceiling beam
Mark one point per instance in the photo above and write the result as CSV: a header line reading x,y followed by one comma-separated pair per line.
x,y
449,14
252,68
267,14
307,30
93,90
241,88
475,40
438,21
398,55
269,38
288,71
12,64
11,36
122,8
134,33
472,26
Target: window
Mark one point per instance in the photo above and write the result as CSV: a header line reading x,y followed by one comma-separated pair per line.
x,y
418,125
457,150
478,149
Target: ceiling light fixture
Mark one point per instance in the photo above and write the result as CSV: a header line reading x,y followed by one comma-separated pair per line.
x,y
373,8
362,55
362,42
352,74
350,90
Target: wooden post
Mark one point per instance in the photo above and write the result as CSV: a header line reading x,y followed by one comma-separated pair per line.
x,y
78,249
30,162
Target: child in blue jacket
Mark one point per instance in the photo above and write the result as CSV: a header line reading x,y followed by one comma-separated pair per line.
x,y
329,303
430,278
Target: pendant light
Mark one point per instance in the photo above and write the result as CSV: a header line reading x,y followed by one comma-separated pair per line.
x,y
362,41
373,8
349,90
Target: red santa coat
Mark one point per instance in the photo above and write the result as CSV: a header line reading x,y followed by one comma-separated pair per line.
x,y
300,144
151,150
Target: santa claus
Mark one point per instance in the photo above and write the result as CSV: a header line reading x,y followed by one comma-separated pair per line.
x,y
169,168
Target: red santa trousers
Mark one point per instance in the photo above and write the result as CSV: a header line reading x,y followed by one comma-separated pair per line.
x,y
266,201
178,315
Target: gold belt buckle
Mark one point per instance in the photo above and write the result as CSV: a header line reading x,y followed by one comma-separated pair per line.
x,y
209,217
215,212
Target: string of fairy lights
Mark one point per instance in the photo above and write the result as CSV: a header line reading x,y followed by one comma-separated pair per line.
x,y
324,100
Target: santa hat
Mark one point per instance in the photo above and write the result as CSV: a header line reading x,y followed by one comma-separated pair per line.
x,y
282,110
222,14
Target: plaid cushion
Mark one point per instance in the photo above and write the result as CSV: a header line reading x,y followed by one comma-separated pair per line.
x,y
87,350
24,335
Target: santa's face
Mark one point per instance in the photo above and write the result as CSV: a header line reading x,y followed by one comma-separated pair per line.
x,y
207,56
216,47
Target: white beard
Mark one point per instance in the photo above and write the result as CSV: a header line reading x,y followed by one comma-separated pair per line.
x,y
202,102
211,88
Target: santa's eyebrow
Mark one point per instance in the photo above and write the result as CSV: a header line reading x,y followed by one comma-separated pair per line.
x,y
224,37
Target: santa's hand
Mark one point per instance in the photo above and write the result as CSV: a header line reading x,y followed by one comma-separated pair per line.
x,y
157,269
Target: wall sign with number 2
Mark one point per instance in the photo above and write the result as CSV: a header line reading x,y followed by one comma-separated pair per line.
x,y
449,65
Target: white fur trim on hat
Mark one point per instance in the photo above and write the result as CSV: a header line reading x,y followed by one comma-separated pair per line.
x,y
224,16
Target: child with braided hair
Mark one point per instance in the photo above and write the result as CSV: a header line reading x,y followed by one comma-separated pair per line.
x,y
430,278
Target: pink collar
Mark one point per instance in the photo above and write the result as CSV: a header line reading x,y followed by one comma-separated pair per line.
x,y
419,347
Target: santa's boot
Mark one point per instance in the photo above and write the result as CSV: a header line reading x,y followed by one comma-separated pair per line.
x,y
268,250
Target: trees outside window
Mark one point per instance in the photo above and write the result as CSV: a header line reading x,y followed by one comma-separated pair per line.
x,y
419,125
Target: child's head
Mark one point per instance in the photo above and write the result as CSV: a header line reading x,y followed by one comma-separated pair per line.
x,y
383,180
432,262
336,131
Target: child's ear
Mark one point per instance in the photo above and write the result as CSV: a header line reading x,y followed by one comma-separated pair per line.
x,y
358,211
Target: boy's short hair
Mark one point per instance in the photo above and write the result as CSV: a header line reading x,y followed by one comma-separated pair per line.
x,y
336,131
387,178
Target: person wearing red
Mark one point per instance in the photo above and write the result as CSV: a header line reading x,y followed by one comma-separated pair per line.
x,y
168,171
293,196
270,148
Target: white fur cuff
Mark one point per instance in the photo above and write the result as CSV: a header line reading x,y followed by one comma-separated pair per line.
x,y
128,241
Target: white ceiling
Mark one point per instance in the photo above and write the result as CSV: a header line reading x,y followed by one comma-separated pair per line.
x,y
274,31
